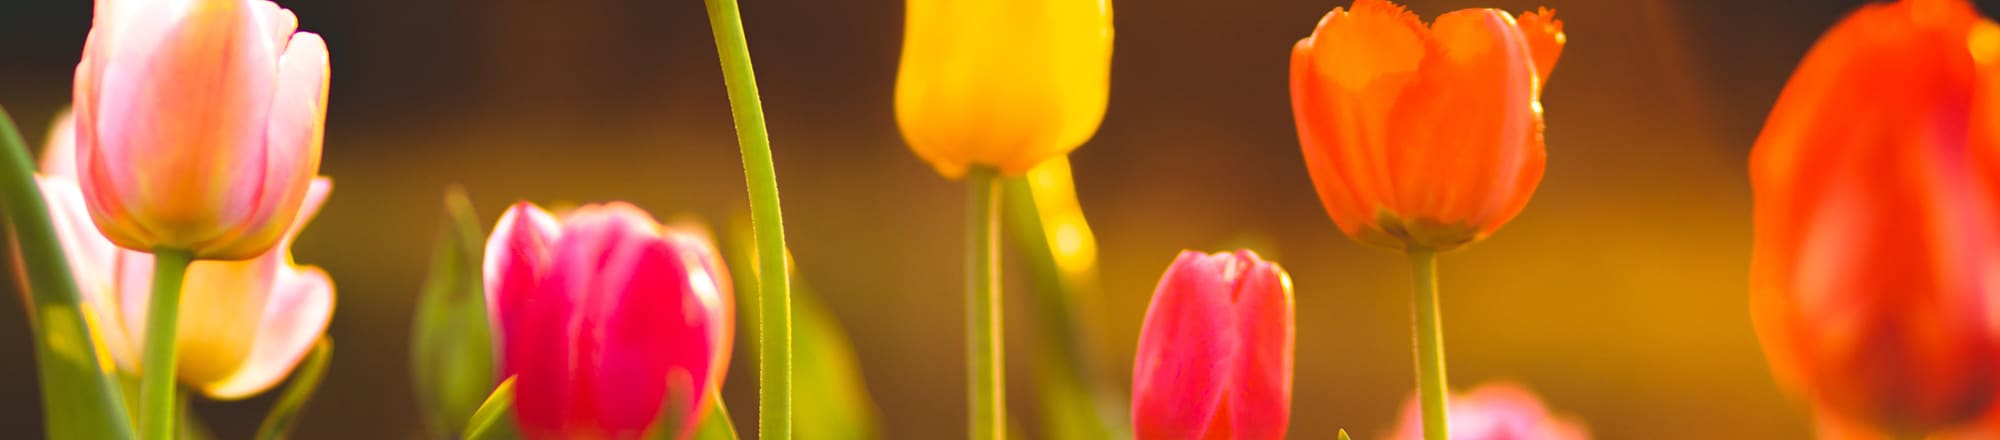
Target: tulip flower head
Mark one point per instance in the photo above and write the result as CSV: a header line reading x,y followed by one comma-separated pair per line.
x,y
1496,411
606,319
198,124
1215,352
1872,276
245,324
1002,83
1423,136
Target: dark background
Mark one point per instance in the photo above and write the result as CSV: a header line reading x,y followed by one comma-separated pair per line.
x,y
1618,294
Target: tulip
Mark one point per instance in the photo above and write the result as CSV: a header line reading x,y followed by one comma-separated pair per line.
x,y
1002,83
1215,352
1871,275
604,317
1498,411
1423,137
246,324
198,124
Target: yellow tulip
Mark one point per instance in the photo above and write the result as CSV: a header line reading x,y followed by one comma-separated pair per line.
x,y
1002,83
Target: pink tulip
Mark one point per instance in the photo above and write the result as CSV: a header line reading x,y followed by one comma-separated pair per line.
x,y
1497,411
244,324
198,124
1215,352
603,317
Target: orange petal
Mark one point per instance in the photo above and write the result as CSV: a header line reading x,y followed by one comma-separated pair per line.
x,y
1545,39
1462,133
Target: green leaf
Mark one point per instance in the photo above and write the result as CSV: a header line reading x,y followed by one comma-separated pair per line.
x,y
830,397
1075,404
278,423
451,351
80,399
494,419
717,425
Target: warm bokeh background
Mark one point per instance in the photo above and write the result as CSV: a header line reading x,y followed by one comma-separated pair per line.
x,y
1618,294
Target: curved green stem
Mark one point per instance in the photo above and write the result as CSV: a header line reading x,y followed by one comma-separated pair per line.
x,y
1431,385
163,310
774,357
80,400
982,306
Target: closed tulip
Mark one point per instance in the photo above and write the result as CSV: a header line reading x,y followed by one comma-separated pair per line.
x,y
245,324
1215,352
1872,275
198,124
1498,411
1002,83
1423,136
605,318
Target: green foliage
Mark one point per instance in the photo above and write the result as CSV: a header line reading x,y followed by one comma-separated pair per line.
x,y
451,350
285,414
831,400
80,398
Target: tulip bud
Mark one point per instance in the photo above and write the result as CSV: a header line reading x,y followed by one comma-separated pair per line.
x,y
604,318
1498,411
245,324
1002,83
198,123
1215,352
1872,274
1425,137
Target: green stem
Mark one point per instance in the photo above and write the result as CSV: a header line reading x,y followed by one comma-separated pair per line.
x,y
982,306
774,357
79,399
1431,385
163,311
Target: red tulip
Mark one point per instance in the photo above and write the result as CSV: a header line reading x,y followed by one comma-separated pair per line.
x,y
1872,276
1215,352
603,318
198,123
1423,136
1498,411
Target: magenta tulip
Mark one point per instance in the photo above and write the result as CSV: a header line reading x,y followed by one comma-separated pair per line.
x,y
1215,352
605,316
198,123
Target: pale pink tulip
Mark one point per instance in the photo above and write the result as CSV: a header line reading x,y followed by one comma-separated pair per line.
x,y
198,124
1497,411
244,324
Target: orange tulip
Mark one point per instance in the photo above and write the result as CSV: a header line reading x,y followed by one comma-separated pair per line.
x,y
1418,136
1872,276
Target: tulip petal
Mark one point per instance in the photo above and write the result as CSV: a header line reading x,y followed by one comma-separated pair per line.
x,y
1187,350
1460,131
1544,34
59,153
92,260
517,257
1261,400
182,93
296,314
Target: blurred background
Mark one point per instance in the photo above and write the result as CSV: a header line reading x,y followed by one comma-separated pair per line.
x,y
1618,295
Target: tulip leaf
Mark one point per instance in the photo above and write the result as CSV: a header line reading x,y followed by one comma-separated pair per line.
x,y
717,425
494,419
1075,404
830,399
451,352
305,380
80,399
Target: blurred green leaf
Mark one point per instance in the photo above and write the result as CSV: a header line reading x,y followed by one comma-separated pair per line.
x,y
717,425
830,398
451,350
305,380
1075,406
80,399
494,418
